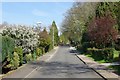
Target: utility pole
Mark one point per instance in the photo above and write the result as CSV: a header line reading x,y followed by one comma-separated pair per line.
x,y
53,37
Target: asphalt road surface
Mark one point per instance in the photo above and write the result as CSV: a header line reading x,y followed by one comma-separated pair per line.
x,y
59,63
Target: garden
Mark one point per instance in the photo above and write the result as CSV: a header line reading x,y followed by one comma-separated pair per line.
x,y
22,44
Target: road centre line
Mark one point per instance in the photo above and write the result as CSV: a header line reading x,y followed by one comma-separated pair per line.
x,y
38,68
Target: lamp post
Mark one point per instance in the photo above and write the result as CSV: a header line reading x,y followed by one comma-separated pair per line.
x,y
38,25
53,37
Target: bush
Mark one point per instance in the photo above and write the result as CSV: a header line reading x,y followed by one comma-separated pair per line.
x,y
119,56
19,51
85,45
117,47
97,54
108,54
34,56
7,47
7,53
79,47
24,36
28,57
14,63
38,52
101,54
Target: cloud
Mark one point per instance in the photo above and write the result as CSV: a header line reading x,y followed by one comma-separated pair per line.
x,y
39,13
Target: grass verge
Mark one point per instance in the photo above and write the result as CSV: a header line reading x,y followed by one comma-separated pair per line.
x,y
116,68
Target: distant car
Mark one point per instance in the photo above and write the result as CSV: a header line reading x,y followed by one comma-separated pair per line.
x,y
72,50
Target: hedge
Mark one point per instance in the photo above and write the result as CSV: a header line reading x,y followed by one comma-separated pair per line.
x,y
100,54
7,47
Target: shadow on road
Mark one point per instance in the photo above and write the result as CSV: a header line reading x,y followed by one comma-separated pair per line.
x,y
50,68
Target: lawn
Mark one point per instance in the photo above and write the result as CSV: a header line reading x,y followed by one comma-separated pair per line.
x,y
115,59
96,58
116,68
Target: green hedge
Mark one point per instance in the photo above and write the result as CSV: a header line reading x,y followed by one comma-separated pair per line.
x,y
10,59
7,47
100,54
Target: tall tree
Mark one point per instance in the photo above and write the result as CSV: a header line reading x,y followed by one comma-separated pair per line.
x,y
54,33
113,8
76,18
101,31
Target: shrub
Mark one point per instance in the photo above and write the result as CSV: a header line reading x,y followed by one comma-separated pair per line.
x,y
79,47
100,54
7,52
28,57
25,37
14,63
7,47
117,47
19,51
34,56
97,54
108,54
85,45
119,56
38,52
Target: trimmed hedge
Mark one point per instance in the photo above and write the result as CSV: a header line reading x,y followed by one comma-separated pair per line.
x,y
100,54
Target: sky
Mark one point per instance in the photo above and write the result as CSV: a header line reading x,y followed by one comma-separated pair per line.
x,y
29,13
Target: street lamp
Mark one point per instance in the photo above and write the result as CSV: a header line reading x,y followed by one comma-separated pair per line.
x,y
53,37
38,25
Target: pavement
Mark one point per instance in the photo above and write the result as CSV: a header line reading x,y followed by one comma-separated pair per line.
x,y
61,62
99,68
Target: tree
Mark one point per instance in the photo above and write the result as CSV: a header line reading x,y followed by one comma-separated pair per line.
x,y
112,8
76,19
54,30
63,39
44,40
101,31
117,13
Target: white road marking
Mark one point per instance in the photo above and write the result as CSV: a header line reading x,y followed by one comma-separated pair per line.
x,y
31,72
38,68
51,56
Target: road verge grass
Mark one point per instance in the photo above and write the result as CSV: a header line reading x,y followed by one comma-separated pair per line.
x,y
100,60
